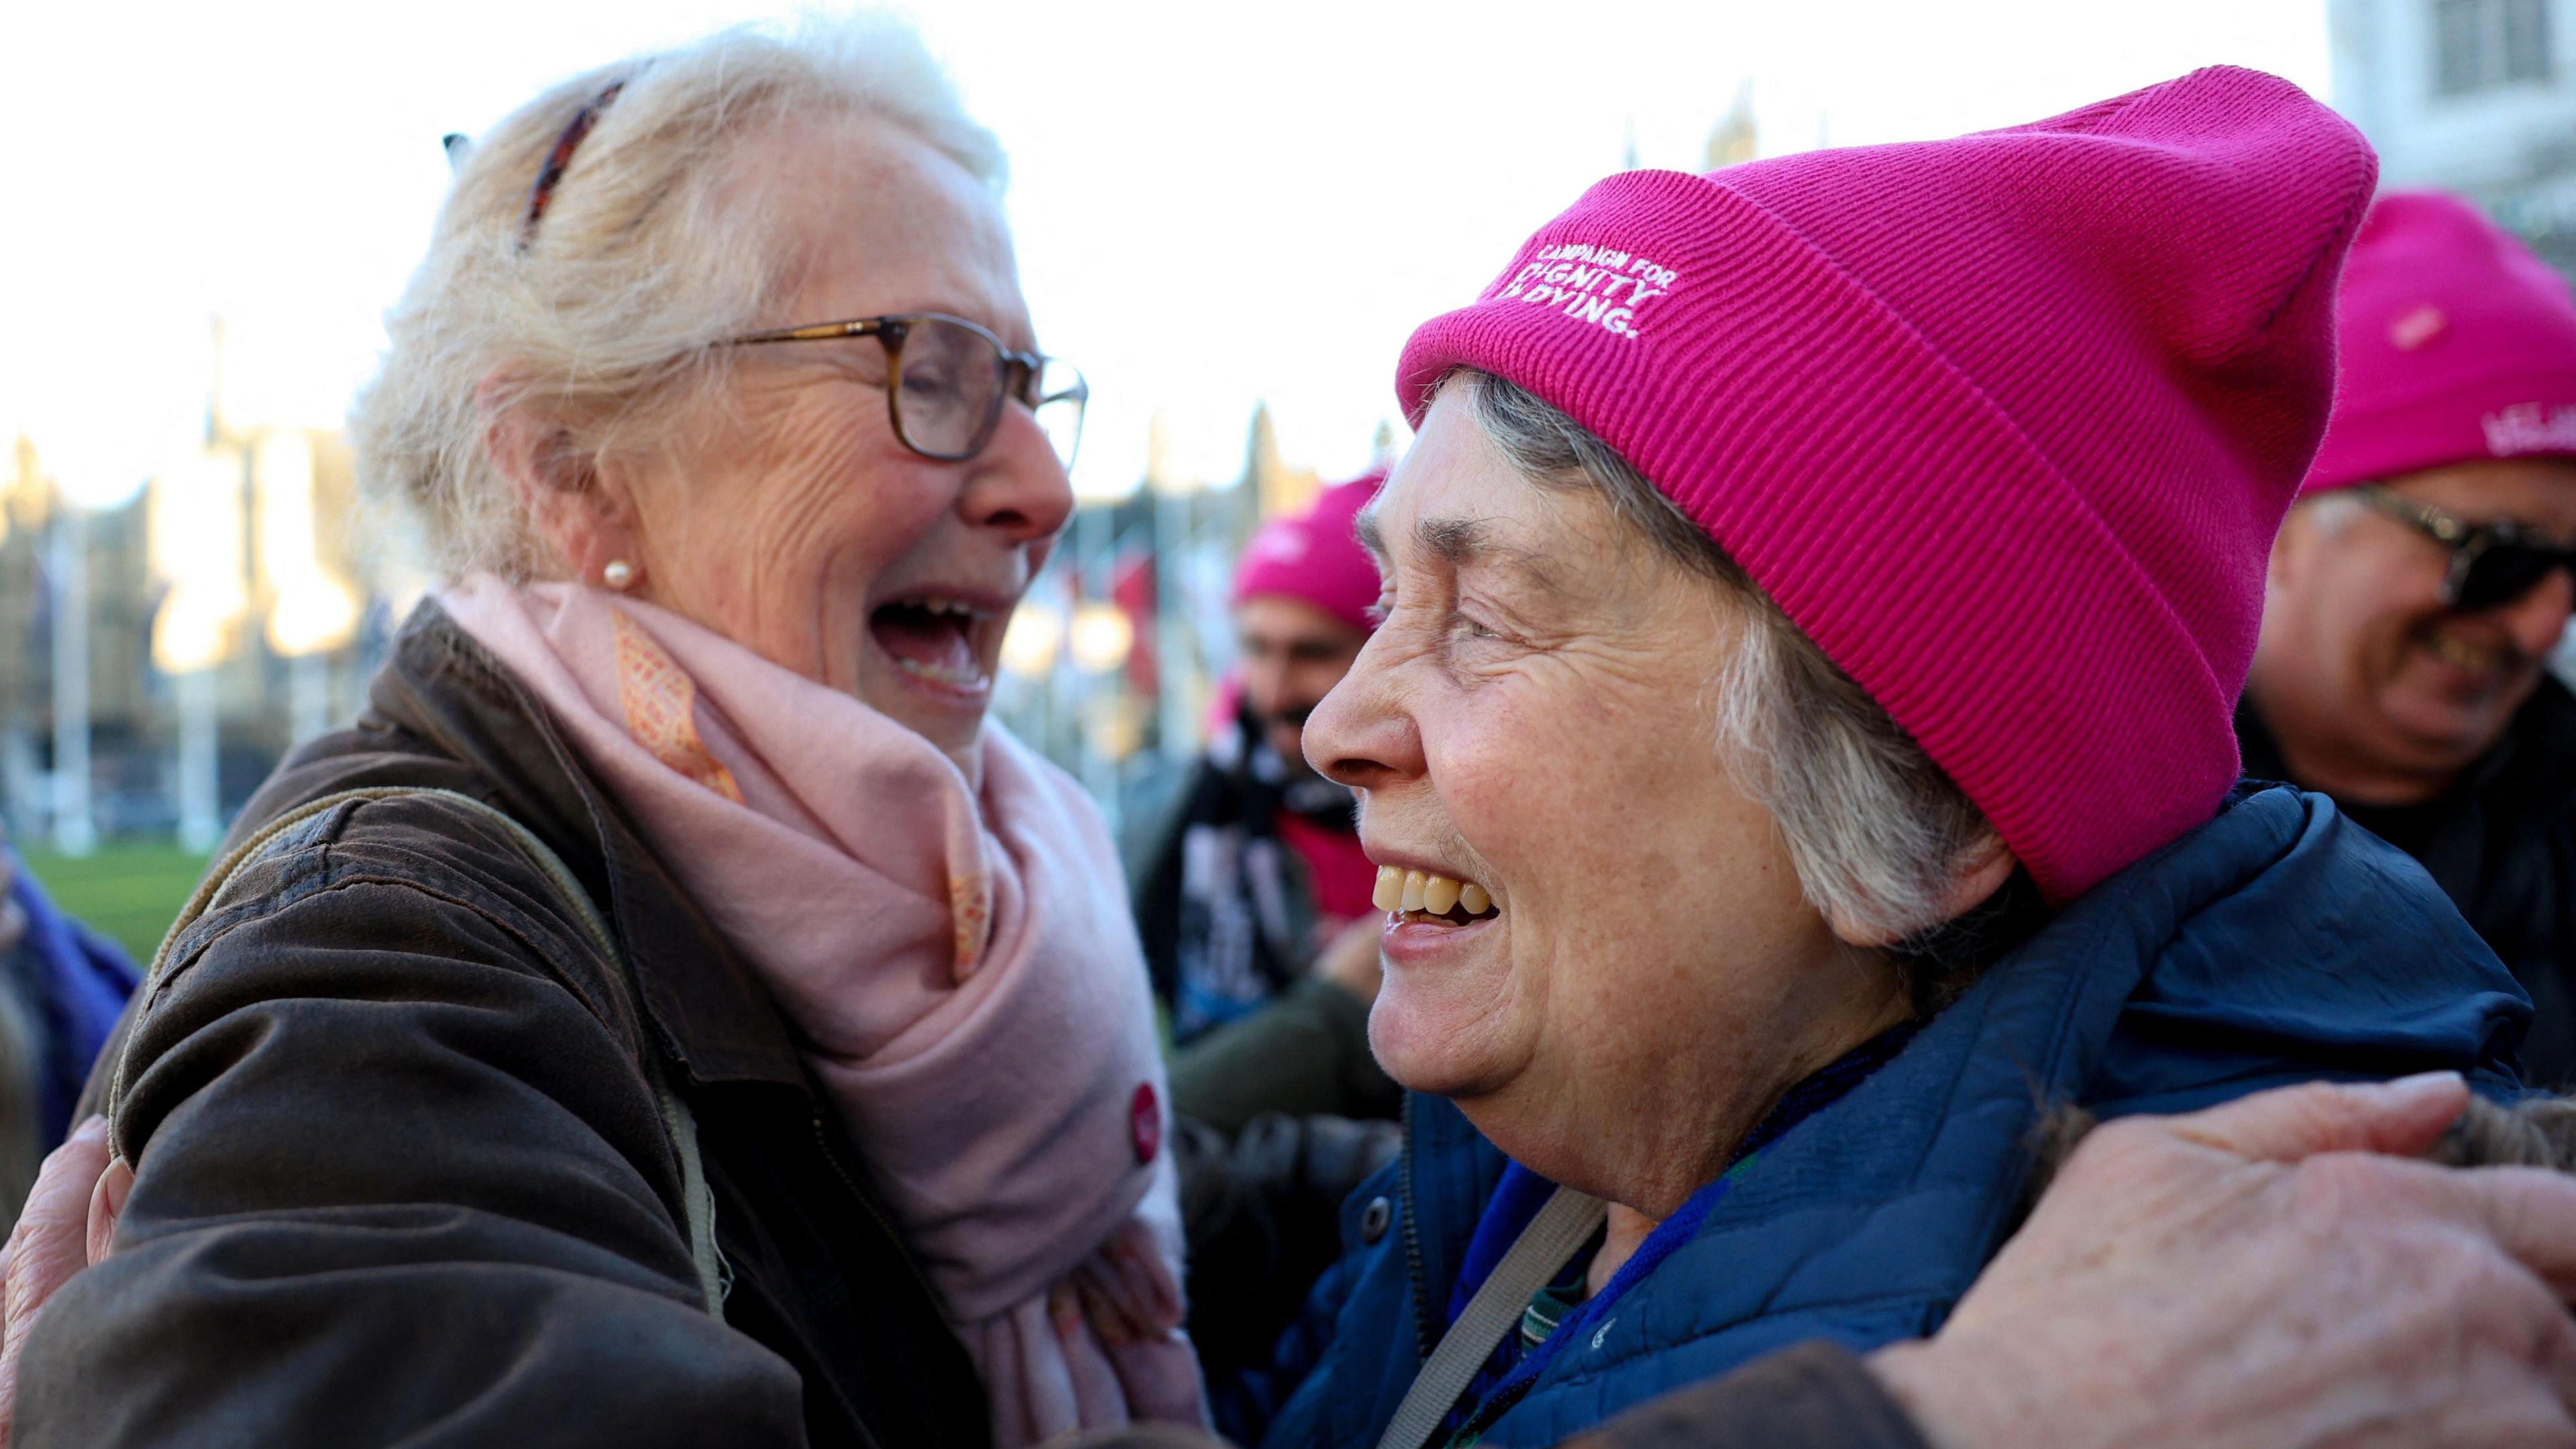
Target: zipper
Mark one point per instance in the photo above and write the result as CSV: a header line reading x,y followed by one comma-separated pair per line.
x,y
1484,1415
1423,1339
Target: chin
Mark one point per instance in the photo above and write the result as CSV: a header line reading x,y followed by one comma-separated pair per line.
x,y
2455,733
954,726
1428,1049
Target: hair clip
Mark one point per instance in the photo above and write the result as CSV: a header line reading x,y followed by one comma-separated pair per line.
x,y
561,157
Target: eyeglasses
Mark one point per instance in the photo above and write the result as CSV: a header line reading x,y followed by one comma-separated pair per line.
x,y
2491,563
947,379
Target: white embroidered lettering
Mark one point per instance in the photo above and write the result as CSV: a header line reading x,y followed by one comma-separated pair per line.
x,y
1583,280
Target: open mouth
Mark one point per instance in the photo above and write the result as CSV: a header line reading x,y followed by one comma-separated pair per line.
x,y
1423,898
2467,655
934,637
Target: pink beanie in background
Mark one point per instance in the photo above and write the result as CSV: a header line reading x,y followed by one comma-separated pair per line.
x,y
1313,555
2456,344
2005,423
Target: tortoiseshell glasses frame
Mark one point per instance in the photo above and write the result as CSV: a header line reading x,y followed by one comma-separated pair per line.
x,y
947,380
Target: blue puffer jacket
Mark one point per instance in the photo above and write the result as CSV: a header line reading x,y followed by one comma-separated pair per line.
x,y
2277,943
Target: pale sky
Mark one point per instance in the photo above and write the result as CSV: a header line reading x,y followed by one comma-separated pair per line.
x,y
1215,203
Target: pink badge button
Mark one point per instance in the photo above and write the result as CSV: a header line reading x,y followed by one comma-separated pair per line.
x,y
1145,1123
2418,327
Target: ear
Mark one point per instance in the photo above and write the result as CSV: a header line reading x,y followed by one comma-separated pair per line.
x,y
1977,874
585,516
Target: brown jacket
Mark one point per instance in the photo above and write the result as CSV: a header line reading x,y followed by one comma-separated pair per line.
x,y
399,1174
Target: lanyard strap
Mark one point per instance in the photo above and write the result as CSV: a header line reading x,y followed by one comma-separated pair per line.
x,y
1562,1226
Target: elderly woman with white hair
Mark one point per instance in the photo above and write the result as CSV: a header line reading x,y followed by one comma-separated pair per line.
x,y
673,1013
1798,750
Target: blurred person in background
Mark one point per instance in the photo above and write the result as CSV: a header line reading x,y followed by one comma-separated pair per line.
x,y
2417,590
1258,871
62,986
673,1013
1254,899
1798,749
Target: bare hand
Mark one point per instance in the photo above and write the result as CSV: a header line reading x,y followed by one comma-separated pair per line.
x,y
2258,1275
68,1222
1351,960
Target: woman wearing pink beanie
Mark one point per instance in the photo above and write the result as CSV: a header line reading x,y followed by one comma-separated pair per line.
x,y
1798,749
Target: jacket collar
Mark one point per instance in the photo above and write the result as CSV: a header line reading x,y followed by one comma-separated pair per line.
x,y
709,1009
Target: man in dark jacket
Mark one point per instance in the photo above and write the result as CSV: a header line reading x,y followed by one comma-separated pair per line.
x,y
1259,872
2417,590
1253,901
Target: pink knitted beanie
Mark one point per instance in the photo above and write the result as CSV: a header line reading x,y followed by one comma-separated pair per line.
x,y
2456,344
1315,557
2004,423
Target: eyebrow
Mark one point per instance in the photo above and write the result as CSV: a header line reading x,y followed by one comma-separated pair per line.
x,y
1370,536
1458,542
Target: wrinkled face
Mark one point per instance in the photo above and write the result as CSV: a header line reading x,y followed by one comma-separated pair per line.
x,y
795,523
1291,654
1532,721
2360,660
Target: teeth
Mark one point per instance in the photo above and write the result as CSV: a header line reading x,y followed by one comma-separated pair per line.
x,y
1406,891
956,607
1439,894
1390,888
2466,655
970,677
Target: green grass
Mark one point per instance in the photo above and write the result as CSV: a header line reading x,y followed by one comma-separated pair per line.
x,y
126,892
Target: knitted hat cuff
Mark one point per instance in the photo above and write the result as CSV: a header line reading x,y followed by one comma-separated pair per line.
x,y
2391,437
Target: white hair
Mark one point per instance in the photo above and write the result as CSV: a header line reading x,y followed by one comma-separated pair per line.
x,y
1875,829
612,313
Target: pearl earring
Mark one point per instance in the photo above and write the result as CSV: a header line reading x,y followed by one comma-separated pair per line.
x,y
618,574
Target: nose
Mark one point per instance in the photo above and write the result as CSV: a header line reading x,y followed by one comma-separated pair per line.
x,y
2537,618
1017,485
1363,734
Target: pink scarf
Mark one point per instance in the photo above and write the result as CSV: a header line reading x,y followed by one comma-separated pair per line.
x,y
962,973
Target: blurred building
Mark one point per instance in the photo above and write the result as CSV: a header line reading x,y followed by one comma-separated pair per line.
x,y
2472,96
158,657
1735,139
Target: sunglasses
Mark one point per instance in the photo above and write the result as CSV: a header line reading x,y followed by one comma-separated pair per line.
x,y
2492,564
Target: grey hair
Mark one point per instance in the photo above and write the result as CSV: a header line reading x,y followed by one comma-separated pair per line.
x,y
612,316
1874,828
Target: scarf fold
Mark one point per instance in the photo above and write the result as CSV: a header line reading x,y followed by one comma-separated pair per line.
x,y
959,968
